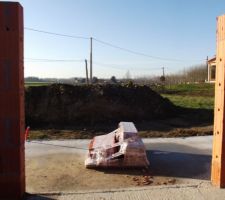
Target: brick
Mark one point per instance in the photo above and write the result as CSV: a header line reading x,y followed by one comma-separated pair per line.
x,y
12,120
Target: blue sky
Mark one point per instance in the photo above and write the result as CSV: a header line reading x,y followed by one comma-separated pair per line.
x,y
175,29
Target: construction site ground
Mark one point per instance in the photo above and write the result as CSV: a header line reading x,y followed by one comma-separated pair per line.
x,y
179,169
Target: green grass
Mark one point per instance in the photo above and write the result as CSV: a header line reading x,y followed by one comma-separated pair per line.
x,y
200,89
199,95
191,87
28,84
191,101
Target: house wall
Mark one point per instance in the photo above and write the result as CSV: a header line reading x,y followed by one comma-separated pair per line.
x,y
212,71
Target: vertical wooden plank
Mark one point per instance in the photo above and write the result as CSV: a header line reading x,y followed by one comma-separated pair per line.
x,y
218,156
12,160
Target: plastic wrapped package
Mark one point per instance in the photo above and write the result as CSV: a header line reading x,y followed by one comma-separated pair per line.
x,y
120,148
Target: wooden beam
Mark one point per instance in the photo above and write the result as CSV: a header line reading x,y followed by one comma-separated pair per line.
x,y
218,156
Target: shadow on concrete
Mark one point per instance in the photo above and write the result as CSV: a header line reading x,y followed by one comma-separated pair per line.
x,y
176,164
37,197
165,161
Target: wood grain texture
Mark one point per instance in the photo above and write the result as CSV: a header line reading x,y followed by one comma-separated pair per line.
x,y
218,156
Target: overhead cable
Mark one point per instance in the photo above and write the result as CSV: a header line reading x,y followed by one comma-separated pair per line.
x,y
57,34
139,53
114,46
52,60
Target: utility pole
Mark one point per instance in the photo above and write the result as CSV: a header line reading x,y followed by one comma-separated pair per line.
x,y
86,66
91,60
163,78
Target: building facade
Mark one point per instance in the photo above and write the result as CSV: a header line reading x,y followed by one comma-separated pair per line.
x,y
212,70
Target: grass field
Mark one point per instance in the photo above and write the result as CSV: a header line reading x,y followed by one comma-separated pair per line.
x,y
190,95
200,87
28,84
191,101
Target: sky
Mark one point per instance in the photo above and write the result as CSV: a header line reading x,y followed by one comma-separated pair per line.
x,y
174,34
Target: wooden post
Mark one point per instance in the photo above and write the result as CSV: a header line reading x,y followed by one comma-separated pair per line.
x,y
12,160
218,156
91,63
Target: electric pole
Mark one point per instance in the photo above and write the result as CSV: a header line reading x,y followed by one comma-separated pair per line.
x,y
91,60
163,78
86,66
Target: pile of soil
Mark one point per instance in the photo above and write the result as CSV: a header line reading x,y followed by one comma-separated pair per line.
x,y
62,106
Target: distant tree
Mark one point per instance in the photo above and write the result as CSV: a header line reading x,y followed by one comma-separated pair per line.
x,y
162,78
194,74
82,80
32,79
113,79
94,79
130,83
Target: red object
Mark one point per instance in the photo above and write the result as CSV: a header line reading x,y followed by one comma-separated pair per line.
x,y
27,132
119,148
12,121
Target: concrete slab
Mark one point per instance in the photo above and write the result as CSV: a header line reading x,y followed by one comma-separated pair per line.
x,y
187,159
201,190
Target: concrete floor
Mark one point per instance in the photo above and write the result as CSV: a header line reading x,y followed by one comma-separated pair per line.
x,y
187,159
198,191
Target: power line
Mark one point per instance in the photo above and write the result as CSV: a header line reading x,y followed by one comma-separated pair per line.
x,y
107,66
139,53
52,60
57,34
119,67
115,66
113,46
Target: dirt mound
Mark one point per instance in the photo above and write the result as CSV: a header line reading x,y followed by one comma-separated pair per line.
x,y
61,105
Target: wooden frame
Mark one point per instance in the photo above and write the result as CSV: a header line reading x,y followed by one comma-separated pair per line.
x,y
218,155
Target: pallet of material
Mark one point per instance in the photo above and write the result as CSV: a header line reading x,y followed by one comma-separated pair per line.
x,y
120,148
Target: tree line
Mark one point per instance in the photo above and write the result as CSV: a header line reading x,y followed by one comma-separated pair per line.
x,y
194,74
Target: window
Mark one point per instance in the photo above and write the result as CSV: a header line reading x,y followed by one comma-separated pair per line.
x,y
213,72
